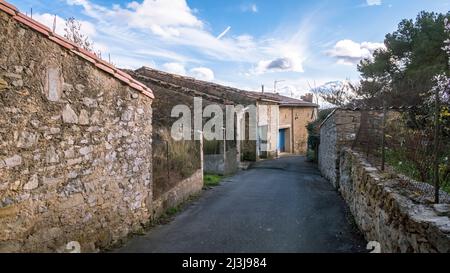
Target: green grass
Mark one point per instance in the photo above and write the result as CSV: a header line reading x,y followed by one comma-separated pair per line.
x,y
211,180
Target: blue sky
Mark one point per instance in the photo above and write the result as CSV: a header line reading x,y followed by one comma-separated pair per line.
x,y
238,42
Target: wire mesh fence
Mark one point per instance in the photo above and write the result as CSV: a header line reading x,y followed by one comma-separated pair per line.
x,y
417,154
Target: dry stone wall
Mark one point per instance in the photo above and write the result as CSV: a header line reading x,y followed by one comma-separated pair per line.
x,y
385,214
337,131
75,148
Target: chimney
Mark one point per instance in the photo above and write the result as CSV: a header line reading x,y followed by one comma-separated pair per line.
x,y
262,88
307,97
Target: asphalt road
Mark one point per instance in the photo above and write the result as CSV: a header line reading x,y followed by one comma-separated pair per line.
x,y
279,206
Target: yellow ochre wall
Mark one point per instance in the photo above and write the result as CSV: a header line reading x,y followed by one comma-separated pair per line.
x,y
295,120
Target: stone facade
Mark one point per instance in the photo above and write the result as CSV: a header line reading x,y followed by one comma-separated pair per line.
x,y
74,146
178,194
337,131
267,109
295,120
385,214
172,183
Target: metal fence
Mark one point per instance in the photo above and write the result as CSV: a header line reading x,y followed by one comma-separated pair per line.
x,y
397,142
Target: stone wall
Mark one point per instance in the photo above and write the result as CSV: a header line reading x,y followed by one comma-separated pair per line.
x,y
338,130
178,194
222,164
75,146
385,214
343,128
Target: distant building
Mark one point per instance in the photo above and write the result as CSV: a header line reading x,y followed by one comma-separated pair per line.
x,y
294,116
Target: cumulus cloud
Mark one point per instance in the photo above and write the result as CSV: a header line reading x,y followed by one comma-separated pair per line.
x,y
175,68
349,52
279,65
373,2
87,28
202,73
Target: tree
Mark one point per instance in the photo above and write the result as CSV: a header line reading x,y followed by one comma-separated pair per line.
x,y
73,33
412,58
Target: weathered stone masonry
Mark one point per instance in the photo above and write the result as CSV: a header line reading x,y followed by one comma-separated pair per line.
x,y
75,144
381,206
384,213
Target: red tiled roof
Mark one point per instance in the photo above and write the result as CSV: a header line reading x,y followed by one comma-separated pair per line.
x,y
88,56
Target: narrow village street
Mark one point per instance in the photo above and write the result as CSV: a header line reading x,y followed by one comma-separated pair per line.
x,y
277,206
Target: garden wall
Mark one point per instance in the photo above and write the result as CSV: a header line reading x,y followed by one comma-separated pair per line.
x,y
384,212
75,143
338,130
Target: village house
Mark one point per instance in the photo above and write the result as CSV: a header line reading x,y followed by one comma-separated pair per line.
x,y
75,135
294,116
266,123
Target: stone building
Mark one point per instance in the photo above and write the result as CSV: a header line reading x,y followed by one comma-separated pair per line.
x,y
75,140
266,122
294,116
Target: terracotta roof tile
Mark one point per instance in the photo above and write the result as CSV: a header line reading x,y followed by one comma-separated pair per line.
x,y
61,42
122,78
89,56
105,68
24,20
6,4
84,56
7,9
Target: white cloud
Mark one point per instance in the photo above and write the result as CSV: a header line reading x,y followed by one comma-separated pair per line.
x,y
373,2
349,52
279,65
173,25
175,68
87,28
202,73
249,8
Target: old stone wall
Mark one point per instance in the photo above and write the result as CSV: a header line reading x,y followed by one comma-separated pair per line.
x,y
384,212
177,177
337,131
346,128
75,148
222,164
178,194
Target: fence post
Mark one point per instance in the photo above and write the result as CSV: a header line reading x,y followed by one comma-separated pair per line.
x,y
383,138
167,161
436,146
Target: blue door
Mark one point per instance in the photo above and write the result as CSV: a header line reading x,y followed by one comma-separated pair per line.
x,y
282,140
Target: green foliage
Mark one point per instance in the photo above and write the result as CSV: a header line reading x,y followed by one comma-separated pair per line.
x,y
413,56
314,134
211,180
